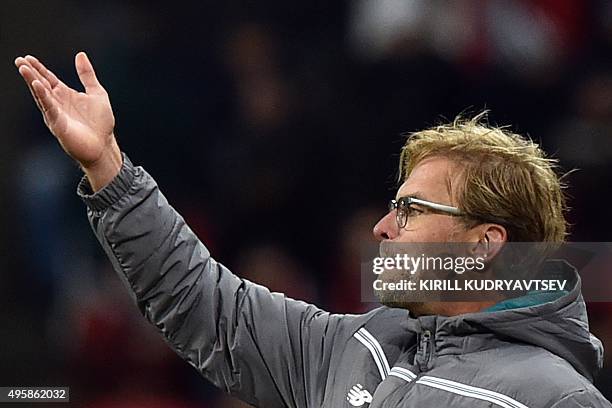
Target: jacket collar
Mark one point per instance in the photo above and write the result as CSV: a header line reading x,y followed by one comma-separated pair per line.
x,y
559,326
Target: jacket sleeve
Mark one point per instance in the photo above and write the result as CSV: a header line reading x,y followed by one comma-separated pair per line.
x,y
268,350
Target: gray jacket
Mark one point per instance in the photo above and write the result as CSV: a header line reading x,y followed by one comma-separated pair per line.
x,y
272,351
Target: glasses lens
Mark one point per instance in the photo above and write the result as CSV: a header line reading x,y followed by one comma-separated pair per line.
x,y
392,205
401,216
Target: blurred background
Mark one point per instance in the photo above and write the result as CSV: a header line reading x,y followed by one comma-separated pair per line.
x,y
274,127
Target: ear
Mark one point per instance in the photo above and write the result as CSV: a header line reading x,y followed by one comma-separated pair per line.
x,y
495,233
491,239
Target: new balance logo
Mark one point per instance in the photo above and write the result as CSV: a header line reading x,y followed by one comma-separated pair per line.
x,y
357,396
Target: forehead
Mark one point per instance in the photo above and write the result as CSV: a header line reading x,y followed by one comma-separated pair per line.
x,y
431,179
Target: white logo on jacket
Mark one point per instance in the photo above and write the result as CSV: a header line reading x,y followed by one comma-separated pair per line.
x,y
357,396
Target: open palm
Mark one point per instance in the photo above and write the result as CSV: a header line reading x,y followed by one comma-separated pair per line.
x,y
82,122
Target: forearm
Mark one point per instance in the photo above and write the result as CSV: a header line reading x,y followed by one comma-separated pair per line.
x,y
239,335
191,299
167,269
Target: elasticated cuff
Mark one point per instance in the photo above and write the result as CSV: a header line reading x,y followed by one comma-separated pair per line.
x,y
112,192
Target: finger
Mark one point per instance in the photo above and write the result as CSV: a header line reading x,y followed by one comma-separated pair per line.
x,y
37,74
19,61
43,71
28,76
86,73
47,103
27,73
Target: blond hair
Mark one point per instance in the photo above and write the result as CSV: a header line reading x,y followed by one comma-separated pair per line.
x,y
507,179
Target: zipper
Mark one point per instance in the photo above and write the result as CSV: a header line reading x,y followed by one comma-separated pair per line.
x,y
425,350
423,358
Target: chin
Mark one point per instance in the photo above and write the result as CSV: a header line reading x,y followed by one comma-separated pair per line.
x,y
395,300
417,309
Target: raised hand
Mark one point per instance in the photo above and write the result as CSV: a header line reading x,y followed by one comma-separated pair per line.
x,y
82,122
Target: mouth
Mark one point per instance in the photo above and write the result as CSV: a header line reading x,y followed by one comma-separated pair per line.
x,y
384,249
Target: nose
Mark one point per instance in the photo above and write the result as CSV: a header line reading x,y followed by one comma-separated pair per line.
x,y
386,227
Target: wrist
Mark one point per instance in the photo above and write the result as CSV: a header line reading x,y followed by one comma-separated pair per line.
x,y
101,172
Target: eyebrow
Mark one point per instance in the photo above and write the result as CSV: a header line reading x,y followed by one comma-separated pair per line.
x,y
416,194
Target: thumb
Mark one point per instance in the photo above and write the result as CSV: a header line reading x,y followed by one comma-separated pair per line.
x,y
86,73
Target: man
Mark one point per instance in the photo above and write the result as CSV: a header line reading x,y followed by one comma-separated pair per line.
x,y
463,182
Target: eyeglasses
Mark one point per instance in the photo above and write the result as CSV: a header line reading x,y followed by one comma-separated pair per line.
x,y
404,208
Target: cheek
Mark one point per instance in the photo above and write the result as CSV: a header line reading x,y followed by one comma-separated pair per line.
x,y
434,229
460,233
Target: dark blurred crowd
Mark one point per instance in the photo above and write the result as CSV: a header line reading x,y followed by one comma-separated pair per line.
x,y
274,127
